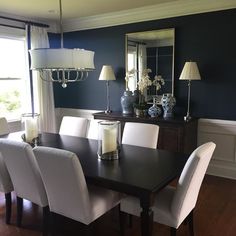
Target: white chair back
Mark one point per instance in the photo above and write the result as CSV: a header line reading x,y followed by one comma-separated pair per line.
x,y
4,129
73,126
64,182
92,132
23,169
190,181
5,180
140,134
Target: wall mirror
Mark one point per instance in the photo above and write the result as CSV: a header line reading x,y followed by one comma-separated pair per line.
x,y
152,50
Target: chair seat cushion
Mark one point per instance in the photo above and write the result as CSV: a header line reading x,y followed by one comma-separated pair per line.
x,y
102,200
162,207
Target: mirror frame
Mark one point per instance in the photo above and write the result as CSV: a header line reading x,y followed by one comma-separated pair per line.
x,y
173,57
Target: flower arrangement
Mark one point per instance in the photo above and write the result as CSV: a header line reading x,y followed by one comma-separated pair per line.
x,y
158,82
145,80
128,75
143,83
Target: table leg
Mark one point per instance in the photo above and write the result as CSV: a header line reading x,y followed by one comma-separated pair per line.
x,y
146,218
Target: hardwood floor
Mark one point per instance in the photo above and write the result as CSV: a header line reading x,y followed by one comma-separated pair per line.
x,y
215,215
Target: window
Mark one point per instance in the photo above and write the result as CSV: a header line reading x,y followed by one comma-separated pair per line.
x,y
14,82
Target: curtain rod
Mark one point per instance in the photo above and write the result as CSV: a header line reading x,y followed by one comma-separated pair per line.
x,y
136,42
25,22
12,26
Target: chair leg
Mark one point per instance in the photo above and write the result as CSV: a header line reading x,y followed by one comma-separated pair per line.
x,y
190,223
46,218
172,231
19,202
8,207
89,229
130,220
122,216
53,224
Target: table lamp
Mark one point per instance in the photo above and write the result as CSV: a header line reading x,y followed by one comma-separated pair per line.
x,y
189,72
107,74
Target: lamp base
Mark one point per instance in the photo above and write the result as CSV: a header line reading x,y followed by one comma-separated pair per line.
x,y
108,111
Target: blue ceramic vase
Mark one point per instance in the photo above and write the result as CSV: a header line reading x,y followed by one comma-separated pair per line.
x,y
168,102
154,110
127,103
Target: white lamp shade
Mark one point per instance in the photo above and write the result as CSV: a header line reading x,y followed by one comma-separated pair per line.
x,y
83,59
190,72
107,73
62,58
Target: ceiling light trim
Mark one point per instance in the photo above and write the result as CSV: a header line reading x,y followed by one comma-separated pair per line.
x,y
154,12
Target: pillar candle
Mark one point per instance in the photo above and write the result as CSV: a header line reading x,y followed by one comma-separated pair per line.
x,y
31,129
109,136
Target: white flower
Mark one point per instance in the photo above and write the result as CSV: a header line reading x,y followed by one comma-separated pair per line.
x,y
130,74
158,82
145,80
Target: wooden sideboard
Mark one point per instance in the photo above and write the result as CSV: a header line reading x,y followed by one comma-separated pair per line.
x,y
175,134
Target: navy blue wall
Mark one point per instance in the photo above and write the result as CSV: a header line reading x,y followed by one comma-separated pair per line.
x,y
209,39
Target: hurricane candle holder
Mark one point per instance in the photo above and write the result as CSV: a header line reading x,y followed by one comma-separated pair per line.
x,y
109,140
30,121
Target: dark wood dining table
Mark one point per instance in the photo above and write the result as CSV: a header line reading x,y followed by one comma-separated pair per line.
x,y
140,172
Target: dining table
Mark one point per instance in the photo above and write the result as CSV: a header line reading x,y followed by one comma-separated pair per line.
x,y
139,171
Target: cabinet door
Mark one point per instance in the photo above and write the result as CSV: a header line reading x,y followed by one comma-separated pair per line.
x,y
171,138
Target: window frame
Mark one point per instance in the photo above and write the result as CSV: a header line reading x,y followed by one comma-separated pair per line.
x,y
18,34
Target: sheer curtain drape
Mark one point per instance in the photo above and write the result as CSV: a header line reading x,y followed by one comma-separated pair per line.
x,y
142,58
142,62
43,91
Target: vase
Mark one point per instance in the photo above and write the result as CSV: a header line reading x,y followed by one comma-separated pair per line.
x,y
139,112
168,102
154,110
127,101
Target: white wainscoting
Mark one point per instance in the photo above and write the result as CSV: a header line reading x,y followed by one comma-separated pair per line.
x,y
223,134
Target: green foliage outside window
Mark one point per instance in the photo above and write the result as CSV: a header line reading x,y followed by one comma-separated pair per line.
x,y
9,102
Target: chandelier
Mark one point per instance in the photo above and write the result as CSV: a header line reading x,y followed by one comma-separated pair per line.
x,y
62,65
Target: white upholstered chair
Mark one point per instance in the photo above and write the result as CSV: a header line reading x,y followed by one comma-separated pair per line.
x,y
92,131
24,172
4,129
73,126
173,205
6,186
140,134
66,187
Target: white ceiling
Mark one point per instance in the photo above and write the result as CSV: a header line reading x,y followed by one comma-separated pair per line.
x,y
89,14
49,9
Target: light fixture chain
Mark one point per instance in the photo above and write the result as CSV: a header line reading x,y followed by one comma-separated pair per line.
x,y
61,29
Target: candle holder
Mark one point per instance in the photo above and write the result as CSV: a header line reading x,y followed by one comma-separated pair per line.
x,y
31,134
109,140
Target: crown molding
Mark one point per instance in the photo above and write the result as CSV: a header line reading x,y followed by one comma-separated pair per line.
x,y
154,12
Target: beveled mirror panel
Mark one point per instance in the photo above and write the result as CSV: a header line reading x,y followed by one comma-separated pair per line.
x,y
152,50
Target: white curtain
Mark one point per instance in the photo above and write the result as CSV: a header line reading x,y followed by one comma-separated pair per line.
x,y
142,58
43,91
142,63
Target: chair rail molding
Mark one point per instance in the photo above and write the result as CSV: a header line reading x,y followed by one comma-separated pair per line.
x,y
223,133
